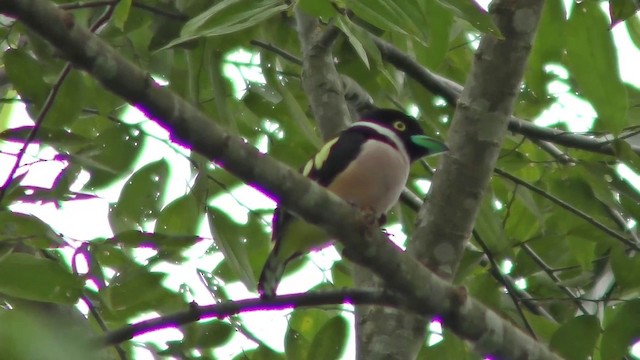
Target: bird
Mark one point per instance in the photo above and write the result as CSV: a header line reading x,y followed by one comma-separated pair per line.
x,y
367,165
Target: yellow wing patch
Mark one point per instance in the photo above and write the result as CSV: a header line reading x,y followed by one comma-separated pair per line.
x,y
323,154
307,168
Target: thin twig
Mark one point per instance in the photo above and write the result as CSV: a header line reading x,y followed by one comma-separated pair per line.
x,y
276,50
222,310
46,107
547,269
450,91
565,205
512,290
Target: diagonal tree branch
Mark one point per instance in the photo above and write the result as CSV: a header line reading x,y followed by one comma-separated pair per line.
x,y
320,78
423,290
451,92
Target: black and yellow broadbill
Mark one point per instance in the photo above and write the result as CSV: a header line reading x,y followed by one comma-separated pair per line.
x,y
367,165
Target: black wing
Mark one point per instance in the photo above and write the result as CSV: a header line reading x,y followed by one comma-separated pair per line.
x,y
338,157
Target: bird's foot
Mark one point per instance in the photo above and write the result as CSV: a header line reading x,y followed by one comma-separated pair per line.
x,y
371,217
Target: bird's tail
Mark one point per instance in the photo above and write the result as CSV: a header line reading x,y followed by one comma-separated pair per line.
x,y
271,275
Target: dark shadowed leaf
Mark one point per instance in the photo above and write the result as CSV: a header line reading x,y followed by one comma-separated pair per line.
x,y
621,332
232,244
17,227
207,335
180,217
577,338
330,341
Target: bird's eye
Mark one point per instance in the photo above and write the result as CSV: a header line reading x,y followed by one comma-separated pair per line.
x,y
400,126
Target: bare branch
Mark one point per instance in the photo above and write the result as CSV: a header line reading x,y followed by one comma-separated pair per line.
x,y
320,78
228,308
563,204
451,91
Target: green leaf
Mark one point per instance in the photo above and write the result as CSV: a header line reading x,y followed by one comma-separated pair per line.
x,y
626,269
474,15
261,353
56,137
136,290
583,251
232,244
592,60
180,217
625,153
140,198
621,10
110,154
210,334
438,23
548,47
29,277
26,76
228,16
489,226
29,335
375,12
577,338
121,13
621,332
633,27
304,324
357,45
296,346
23,227
319,8
330,341
135,239
341,275
68,102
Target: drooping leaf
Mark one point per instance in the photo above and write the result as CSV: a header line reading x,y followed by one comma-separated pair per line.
x,y
29,277
622,10
593,63
109,155
140,198
621,332
330,341
232,245
181,217
18,227
227,17
206,335
474,14
577,338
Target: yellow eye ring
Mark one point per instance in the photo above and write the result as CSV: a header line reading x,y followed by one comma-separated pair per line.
x,y
400,126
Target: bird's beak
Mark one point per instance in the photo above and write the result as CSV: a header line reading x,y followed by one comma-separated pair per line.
x,y
431,145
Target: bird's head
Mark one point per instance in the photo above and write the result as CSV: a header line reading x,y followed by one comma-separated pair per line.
x,y
401,127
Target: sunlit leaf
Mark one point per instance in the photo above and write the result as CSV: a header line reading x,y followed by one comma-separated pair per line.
x,y
594,65
140,198
29,277
232,245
